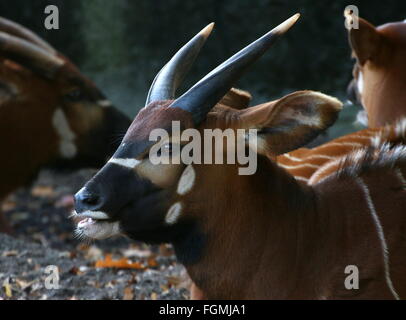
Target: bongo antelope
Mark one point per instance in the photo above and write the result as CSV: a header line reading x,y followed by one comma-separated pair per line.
x,y
379,82
257,236
50,113
305,164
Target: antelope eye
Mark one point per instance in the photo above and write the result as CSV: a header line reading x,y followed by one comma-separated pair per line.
x,y
74,95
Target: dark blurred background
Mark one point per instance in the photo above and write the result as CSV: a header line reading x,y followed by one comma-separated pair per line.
x,y
122,44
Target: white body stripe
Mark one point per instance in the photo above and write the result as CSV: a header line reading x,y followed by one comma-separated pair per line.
x,y
67,147
309,165
128,162
344,143
290,157
381,235
313,179
301,178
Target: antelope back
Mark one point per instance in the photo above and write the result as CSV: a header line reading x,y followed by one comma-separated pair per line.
x,y
310,165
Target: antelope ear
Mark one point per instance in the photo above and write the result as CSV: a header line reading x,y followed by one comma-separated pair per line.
x,y
364,41
290,122
237,99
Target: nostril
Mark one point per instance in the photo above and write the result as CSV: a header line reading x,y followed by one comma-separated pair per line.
x,y
85,200
91,199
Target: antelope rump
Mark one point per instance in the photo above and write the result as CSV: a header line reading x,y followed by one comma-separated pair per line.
x,y
266,235
50,113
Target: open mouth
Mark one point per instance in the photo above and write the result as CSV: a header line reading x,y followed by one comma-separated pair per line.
x,y
88,218
95,224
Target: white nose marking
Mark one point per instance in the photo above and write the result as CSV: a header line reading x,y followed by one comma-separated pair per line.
x,y
128,163
173,213
187,180
67,147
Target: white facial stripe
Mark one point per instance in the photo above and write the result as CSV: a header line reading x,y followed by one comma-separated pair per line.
x,y
67,147
187,180
173,213
104,103
360,82
128,162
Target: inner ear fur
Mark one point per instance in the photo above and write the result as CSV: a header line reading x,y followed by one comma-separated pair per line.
x,y
364,41
292,121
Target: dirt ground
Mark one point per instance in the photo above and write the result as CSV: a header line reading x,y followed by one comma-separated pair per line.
x,y
44,237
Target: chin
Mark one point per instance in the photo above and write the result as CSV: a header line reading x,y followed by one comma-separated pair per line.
x,y
93,229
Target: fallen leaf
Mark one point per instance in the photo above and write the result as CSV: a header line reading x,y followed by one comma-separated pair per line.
x,y
152,263
75,271
11,253
7,288
165,250
42,191
128,293
8,205
154,296
65,202
174,281
24,284
123,263
94,253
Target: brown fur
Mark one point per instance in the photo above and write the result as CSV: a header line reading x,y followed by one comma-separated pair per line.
x,y
29,141
380,53
274,247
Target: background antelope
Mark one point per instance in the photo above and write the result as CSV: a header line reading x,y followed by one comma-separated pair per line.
x,y
379,73
259,236
50,113
309,165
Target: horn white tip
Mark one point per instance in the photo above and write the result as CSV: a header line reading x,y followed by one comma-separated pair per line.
x,y
286,25
207,30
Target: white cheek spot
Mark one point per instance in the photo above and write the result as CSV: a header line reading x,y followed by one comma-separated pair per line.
x,y
173,213
104,103
187,180
67,147
360,82
128,162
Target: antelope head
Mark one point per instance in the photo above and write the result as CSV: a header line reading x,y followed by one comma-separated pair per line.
x,y
49,107
153,202
379,74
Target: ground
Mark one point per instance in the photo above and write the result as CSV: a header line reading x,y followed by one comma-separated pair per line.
x,y
44,237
